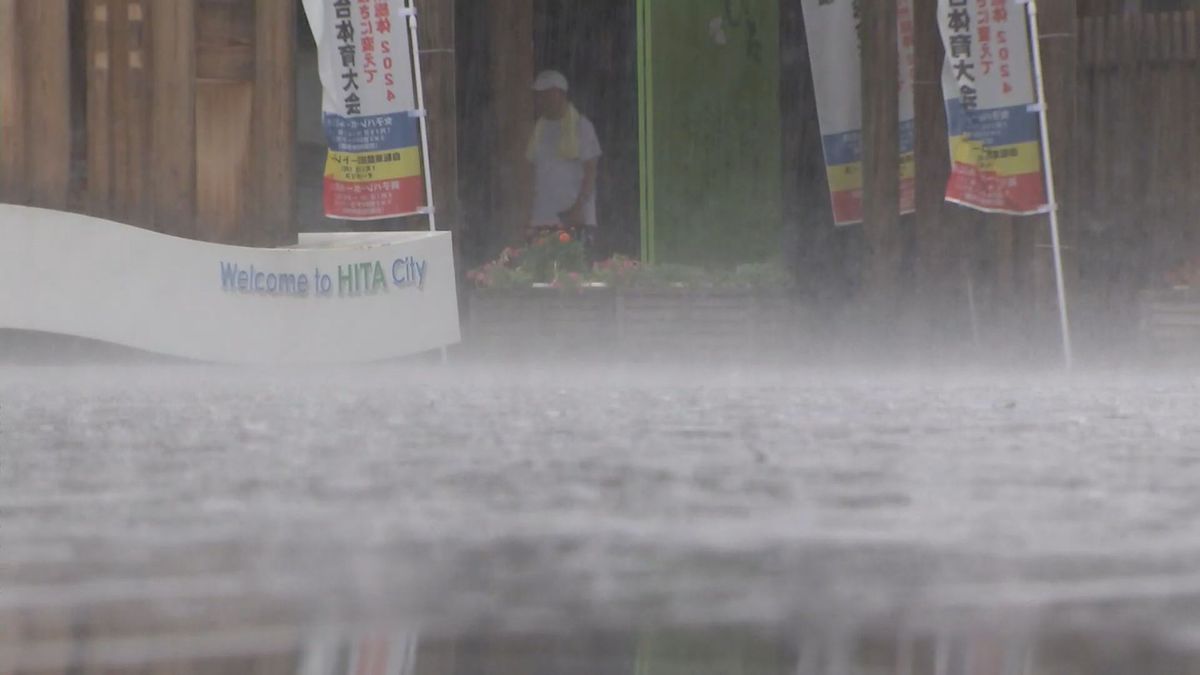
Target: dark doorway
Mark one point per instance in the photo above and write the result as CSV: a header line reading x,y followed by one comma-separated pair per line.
x,y
595,45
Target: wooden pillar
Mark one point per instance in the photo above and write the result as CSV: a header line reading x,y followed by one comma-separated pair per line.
x,y
130,81
512,75
173,116
14,136
881,145
225,96
436,32
44,39
117,111
275,122
99,107
938,237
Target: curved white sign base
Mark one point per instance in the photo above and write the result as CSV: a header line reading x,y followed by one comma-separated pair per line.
x,y
336,298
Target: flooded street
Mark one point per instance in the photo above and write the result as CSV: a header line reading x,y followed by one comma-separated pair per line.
x,y
212,512
599,337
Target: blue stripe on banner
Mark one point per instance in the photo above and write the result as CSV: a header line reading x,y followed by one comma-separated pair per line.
x,y
908,133
846,148
998,126
372,133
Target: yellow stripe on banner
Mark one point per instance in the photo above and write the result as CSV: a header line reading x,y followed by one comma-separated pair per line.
x,y
366,167
908,166
1003,160
843,177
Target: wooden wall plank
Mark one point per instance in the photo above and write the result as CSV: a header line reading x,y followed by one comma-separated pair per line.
x,y
14,136
99,107
937,249
1138,143
123,103
1189,35
224,120
512,72
45,31
130,117
173,116
1190,132
225,39
274,124
881,148
439,67
1150,44
135,116
1177,37
1172,108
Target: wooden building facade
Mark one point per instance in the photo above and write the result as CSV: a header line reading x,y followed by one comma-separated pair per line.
x,y
201,118
189,117
169,115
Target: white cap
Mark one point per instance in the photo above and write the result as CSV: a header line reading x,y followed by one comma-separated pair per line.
x,y
550,79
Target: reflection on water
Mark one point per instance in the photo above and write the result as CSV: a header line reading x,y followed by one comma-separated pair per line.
x,y
637,521
813,650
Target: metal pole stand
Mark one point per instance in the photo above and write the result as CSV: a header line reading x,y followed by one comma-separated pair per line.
x,y
1052,208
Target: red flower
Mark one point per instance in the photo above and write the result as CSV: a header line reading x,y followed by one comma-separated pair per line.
x,y
564,237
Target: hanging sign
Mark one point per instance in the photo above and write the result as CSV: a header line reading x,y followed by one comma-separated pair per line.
x,y
988,82
374,167
835,51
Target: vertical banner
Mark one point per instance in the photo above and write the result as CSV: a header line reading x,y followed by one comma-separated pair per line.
x,y
995,136
374,168
835,51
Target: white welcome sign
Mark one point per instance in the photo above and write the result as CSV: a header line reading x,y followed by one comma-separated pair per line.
x,y
335,298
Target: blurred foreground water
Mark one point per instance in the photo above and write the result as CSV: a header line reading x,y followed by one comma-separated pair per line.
x,y
553,519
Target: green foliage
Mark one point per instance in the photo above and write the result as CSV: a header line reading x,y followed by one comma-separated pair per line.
x,y
617,272
550,259
762,276
674,276
499,276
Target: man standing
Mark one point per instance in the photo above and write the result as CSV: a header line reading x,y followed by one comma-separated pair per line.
x,y
565,154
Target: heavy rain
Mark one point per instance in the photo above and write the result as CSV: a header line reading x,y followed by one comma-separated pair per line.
x,y
637,337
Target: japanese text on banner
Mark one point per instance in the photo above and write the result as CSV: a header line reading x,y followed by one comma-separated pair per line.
x,y
374,167
995,139
836,56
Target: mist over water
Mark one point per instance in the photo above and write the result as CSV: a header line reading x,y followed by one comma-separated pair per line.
x,y
781,447
792,500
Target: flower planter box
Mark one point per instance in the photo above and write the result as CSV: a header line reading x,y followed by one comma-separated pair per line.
x,y
698,322
632,323
540,321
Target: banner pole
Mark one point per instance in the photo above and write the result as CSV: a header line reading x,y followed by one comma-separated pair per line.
x,y
410,14
1063,316
645,59
414,42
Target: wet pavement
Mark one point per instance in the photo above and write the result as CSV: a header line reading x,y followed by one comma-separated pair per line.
x,y
603,519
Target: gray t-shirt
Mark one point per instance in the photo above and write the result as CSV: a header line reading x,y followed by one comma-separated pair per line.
x,y
557,181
